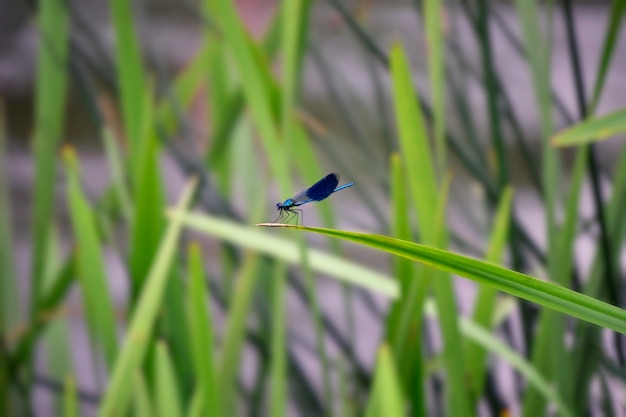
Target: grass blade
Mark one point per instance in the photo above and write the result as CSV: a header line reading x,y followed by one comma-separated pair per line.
x,y
167,397
566,261
56,344
201,331
51,86
258,94
548,341
414,143
386,400
9,311
172,327
130,73
284,249
592,130
235,332
520,285
436,75
142,404
423,185
278,371
70,400
148,223
486,298
115,163
90,265
133,351
293,37
406,312
610,40
484,338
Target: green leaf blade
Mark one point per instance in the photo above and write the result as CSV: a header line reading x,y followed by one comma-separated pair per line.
x,y
133,351
592,130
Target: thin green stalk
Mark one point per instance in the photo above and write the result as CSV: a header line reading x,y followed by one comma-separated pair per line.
x,y
484,305
319,328
492,93
613,27
50,91
201,332
436,73
70,402
130,73
548,346
115,163
56,343
278,371
9,311
235,331
612,282
90,265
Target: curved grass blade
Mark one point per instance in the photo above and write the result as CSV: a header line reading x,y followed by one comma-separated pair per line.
x,y
286,250
524,286
592,130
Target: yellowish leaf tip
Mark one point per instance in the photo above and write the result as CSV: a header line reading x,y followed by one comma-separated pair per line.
x,y
194,247
69,153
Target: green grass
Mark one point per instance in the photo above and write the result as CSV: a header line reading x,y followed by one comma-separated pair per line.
x,y
240,321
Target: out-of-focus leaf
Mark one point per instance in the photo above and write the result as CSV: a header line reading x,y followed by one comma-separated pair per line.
x,y
115,400
592,130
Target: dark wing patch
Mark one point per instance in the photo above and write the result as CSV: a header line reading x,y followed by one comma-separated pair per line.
x,y
324,187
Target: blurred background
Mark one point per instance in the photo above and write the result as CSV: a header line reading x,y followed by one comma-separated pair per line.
x,y
124,101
